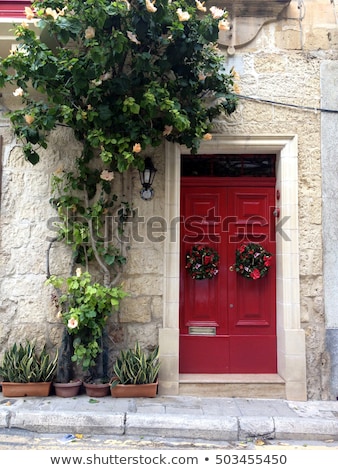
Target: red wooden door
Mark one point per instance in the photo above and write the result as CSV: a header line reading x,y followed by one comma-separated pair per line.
x,y
227,323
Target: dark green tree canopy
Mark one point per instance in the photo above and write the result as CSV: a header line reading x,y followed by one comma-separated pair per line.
x,y
123,75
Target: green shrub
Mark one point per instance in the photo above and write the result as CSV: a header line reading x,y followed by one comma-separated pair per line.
x,y
135,366
22,364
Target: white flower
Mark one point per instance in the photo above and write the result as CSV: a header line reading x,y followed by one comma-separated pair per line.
x,y
137,148
107,175
29,13
90,32
223,25
128,4
150,6
200,6
78,272
167,130
182,15
216,12
52,13
72,323
106,76
29,119
18,92
132,37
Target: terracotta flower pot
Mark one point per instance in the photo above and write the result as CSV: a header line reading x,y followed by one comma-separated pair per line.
x,y
67,390
30,389
97,390
134,391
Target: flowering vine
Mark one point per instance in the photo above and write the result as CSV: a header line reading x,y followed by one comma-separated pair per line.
x,y
85,307
123,74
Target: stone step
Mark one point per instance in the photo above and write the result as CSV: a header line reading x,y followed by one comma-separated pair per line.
x,y
232,385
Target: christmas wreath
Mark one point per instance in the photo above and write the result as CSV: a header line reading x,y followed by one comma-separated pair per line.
x,y
252,261
202,262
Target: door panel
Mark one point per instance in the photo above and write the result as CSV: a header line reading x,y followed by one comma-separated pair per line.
x,y
227,324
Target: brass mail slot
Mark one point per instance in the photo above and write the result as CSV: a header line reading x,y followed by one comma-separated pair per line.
x,y
202,330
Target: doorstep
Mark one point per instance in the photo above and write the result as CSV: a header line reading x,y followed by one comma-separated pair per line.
x,y
232,385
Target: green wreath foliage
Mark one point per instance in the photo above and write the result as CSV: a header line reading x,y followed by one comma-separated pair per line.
x,y
252,261
202,262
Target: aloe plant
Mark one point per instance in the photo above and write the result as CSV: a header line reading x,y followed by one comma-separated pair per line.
x,y
135,366
23,364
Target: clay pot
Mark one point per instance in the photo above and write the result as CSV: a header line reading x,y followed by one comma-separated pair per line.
x,y
29,389
134,391
97,390
67,390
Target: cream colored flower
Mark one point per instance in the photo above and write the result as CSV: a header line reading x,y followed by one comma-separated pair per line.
x,y
216,12
150,6
137,148
127,3
29,119
18,92
72,323
207,136
182,15
132,37
25,25
223,25
29,13
200,6
167,130
78,272
107,175
63,11
59,314
53,13
106,76
58,171
90,32
236,88
235,74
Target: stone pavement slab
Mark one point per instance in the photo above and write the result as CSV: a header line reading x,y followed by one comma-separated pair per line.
x,y
225,419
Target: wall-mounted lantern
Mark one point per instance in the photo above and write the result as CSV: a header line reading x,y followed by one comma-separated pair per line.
x,y
147,177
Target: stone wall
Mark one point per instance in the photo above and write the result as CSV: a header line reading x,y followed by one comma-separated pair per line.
x,y
280,80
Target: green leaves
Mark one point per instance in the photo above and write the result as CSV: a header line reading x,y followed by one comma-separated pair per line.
x,y
97,63
22,364
86,307
135,366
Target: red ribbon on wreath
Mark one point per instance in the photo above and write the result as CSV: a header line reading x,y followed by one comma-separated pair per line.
x,y
252,261
202,262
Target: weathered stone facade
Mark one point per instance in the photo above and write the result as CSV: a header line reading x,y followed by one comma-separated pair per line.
x,y
281,80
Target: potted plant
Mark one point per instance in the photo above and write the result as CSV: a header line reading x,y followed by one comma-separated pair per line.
x,y
85,307
27,372
135,373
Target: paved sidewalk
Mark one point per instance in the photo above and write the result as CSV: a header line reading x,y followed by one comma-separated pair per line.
x,y
225,419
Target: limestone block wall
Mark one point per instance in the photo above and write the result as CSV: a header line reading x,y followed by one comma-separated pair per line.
x,y
280,88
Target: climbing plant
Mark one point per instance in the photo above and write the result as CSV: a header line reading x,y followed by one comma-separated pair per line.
x,y
123,75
